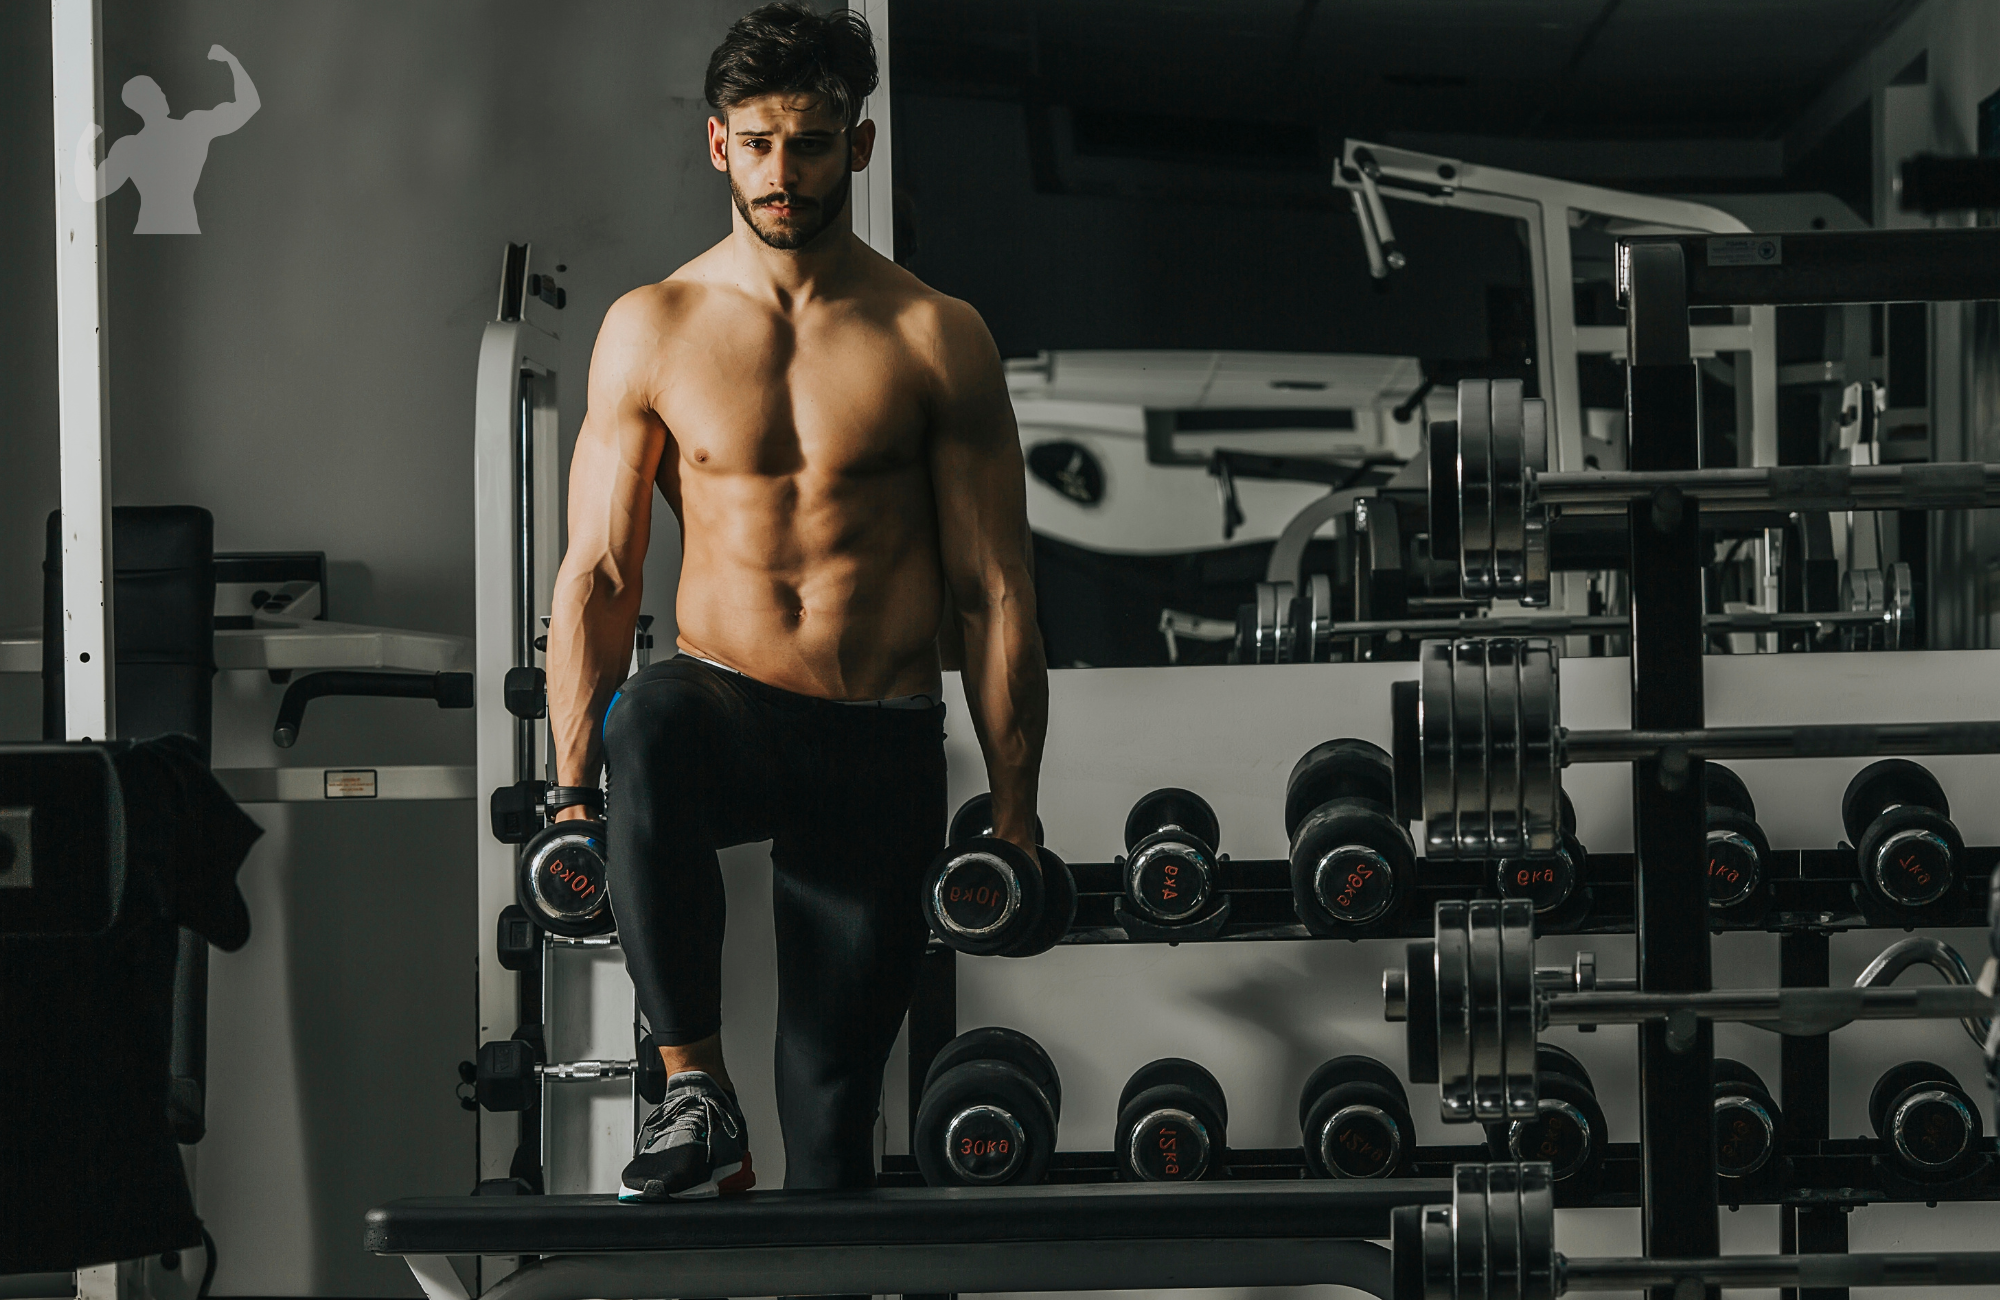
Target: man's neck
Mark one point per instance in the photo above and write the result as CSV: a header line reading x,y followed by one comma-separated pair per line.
x,y
794,276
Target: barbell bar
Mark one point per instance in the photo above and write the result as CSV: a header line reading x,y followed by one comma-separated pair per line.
x,y
1480,744
1290,628
1491,495
1473,1004
1495,1240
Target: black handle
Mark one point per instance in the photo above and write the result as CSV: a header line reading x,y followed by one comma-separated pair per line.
x,y
450,690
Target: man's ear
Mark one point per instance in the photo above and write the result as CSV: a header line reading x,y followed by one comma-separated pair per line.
x,y
860,145
718,144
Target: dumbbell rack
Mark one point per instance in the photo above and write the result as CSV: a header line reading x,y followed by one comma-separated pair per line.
x,y
1810,893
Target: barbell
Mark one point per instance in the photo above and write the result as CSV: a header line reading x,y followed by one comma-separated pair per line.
x,y
1495,1240
1480,745
1281,627
1473,1003
1491,497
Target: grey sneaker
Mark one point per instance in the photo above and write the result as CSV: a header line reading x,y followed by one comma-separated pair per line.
x,y
693,1145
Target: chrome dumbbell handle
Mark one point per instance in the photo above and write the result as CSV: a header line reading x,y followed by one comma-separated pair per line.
x,y
1962,485
1824,740
585,1070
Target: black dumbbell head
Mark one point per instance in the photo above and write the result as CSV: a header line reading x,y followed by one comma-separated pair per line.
x,y
1884,783
983,896
1351,864
1737,854
1179,1072
1909,856
974,820
560,879
1569,1133
1929,1124
1058,907
1354,1120
1745,1120
1171,836
983,1123
1172,1123
1722,788
1172,806
1339,769
999,1043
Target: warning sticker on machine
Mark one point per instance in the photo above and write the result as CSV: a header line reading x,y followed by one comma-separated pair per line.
x,y
351,783
1746,250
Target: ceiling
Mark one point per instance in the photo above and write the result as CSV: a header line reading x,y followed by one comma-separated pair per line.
x,y
1312,71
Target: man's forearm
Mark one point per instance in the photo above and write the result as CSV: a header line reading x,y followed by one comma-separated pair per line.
x,y
1007,690
590,648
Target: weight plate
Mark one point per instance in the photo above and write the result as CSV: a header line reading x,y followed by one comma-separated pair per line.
x,y
1475,487
1542,802
1471,735
1534,515
1454,974
1504,771
1437,749
1509,489
1518,1018
1900,595
1443,485
1318,647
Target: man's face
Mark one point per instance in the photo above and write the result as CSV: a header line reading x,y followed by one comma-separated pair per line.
x,y
790,165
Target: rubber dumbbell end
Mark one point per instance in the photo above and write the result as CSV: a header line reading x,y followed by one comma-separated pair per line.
x,y
977,894
1354,883
984,1144
1168,1145
1745,1135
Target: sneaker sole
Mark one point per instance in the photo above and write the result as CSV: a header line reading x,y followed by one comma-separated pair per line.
x,y
728,1179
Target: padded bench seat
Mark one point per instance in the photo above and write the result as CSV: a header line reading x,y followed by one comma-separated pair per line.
x,y
911,1240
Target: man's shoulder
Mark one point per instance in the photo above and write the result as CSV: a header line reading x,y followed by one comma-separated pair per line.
x,y
930,316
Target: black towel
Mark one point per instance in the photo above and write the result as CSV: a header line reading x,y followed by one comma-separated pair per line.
x,y
89,1170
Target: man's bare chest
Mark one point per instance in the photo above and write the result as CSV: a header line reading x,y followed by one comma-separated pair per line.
x,y
766,401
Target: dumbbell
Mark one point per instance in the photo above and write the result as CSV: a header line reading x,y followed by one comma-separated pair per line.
x,y
1931,1127
1747,1122
1495,1240
984,897
1352,860
509,1073
1354,1119
1170,863
1547,882
1172,1123
1737,846
560,879
1899,821
1569,1132
988,1112
1474,1003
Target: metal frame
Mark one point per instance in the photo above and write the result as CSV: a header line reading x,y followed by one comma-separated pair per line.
x,y
83,378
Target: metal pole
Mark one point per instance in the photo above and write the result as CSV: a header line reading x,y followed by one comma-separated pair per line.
x,y
1678,1215
1969,1268
83,388
1831,740
1969,485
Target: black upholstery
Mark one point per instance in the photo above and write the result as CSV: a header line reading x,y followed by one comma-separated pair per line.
x,y
551,1225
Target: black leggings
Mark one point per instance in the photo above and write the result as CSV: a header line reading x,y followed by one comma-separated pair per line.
x,y
853,799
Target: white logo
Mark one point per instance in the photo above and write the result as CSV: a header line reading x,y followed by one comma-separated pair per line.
x,y
164,158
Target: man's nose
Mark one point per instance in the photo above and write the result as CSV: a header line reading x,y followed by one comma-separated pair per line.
x,y
789,164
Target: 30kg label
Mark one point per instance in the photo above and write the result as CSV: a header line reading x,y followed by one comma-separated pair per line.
x,y
1746,250
350,783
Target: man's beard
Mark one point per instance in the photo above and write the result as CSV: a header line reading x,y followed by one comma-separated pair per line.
x,y
811,217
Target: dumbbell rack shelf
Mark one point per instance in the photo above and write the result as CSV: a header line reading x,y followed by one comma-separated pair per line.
x,y
1841,1173
1807,890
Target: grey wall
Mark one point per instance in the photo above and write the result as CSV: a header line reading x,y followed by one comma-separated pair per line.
x,y
304,369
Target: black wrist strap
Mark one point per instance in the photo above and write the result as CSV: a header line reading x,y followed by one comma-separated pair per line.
x,y
569,796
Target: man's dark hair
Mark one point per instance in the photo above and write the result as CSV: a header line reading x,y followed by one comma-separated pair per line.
x,y
786,48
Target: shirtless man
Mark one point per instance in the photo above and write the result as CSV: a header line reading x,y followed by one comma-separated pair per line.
x,y
837,443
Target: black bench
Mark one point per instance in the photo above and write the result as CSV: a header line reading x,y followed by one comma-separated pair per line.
x,y
1081,1237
